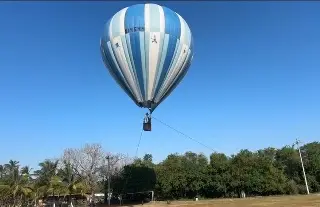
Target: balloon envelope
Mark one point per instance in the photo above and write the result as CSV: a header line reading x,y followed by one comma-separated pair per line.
x,y
147,49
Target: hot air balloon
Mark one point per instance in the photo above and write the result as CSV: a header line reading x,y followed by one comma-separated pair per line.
x,y
147,49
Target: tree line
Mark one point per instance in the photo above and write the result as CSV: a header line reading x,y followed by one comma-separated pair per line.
x,y
268,171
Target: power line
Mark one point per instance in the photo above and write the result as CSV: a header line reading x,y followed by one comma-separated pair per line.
x,y
185,135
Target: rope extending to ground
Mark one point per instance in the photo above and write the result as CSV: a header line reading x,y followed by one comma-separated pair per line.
x,y
183,134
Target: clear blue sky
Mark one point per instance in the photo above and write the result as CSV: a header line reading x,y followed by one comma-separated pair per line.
x,y
254,80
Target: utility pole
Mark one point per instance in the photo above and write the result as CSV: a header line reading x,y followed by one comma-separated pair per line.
x,y
108,158
304,173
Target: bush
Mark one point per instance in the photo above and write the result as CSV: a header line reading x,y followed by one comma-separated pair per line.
x,y
291,188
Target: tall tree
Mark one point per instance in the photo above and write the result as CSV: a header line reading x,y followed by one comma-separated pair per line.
x,y
46,176
87,162
16,185
219,176
311,157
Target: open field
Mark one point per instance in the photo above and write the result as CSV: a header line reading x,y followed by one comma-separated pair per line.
x,y
274,201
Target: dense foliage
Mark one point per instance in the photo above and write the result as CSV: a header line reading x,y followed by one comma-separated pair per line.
x,y
268,171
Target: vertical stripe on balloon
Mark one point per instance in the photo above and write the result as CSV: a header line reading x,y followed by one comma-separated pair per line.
x,y
132,72
177,73
173,28
163,55
169,71
118,50
112,66
154,48
135,45
143,62
116,67
106,35
153,44
160,51
177,60
154,15
147,22
117,26
134,18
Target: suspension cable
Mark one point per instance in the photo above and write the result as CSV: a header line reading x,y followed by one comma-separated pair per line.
x,y
185,135
136,155
138,144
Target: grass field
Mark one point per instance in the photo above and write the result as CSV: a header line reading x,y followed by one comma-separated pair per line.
x,y
276,201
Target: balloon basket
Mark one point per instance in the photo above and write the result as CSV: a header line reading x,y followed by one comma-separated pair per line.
x,y
147,126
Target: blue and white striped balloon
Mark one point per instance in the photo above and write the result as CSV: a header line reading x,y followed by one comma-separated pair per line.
x,y
147,49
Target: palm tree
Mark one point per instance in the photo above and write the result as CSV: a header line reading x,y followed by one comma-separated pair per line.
x,y
47,171
57,186
48,182
71,181
68,177
26,170
16,185
12,165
